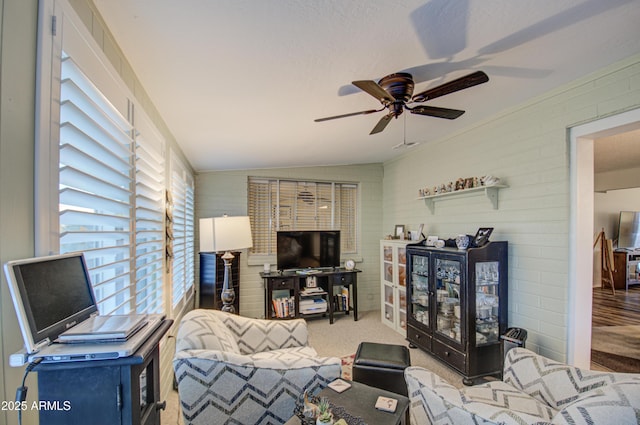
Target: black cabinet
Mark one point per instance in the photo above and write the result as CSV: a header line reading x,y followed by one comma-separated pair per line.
x,y
458,305
212,279
123,391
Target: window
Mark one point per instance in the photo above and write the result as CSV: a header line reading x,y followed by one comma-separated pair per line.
x,y
182,267
150,218
276,204
96,187
101,178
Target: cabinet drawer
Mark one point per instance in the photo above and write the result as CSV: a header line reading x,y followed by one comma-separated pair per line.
x,y
453,357
343,279
282,283
419,338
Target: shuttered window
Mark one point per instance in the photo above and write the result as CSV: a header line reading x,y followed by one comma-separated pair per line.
x,y
96,187
182,194
150,219
111,195
278,204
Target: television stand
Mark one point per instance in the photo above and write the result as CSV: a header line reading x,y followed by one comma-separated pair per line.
x,y
292,282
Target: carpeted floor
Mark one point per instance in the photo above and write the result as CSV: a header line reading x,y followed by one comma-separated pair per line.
x,y
616,348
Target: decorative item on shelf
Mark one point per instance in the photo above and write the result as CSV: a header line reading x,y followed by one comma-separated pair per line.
x,y
460,184
462,241
225,234
482,236
399,232
349,264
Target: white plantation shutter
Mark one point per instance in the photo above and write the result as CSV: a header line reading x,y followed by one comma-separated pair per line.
x,y
96,188
275,204
101,172
150,222
183,273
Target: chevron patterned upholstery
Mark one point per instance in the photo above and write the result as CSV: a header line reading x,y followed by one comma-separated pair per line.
x,y
534,390
237,370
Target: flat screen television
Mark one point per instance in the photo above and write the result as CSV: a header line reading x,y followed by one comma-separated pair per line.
x,y
301,249
629,229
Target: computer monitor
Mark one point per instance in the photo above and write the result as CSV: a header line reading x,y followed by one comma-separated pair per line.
x,y
50,294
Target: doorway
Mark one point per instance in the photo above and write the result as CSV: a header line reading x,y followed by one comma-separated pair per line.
x,y
581,183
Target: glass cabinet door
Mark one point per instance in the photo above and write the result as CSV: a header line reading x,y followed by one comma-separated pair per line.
x,y
487,302
402,287
420,289
387,279
448,275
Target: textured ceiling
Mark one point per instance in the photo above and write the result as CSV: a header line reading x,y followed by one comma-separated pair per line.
x,y
239,82
618,152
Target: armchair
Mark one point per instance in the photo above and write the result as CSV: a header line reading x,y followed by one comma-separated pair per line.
x,y
534,389
237,370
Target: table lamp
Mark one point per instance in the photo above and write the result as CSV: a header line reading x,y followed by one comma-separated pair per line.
x,y
225,234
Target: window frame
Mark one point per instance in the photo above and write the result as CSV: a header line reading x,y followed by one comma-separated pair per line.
x,y
58,19
274,220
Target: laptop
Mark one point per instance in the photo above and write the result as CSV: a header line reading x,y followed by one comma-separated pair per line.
x,y
58,314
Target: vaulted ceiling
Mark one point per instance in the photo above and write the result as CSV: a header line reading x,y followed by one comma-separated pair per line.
x,y
240,82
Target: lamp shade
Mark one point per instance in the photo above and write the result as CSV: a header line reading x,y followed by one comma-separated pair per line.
x,y
218,234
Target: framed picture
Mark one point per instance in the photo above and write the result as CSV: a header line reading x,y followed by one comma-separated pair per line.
x,y
482,236
420,231
399,232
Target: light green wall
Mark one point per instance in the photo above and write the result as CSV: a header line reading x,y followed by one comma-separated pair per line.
x,y
18,25
223,192
528,148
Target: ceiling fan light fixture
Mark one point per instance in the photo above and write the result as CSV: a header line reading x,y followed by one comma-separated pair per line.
x,y
395,91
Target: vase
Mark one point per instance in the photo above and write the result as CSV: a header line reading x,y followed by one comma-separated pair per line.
x,y
462,241
319,422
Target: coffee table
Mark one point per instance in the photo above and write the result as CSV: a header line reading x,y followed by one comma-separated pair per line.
x,y
360,399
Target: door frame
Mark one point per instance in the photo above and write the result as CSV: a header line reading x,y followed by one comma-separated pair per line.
x,y
581,182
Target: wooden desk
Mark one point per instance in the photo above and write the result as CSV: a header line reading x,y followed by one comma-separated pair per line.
x,y
294,282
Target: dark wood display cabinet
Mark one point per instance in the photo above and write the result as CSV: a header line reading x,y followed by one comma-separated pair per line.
x,y
458,305
212,279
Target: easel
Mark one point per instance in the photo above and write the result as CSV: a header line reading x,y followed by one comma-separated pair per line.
x,y
606,250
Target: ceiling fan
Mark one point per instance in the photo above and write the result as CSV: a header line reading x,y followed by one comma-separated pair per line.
x,y
395,92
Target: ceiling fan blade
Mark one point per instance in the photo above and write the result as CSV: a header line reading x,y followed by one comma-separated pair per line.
x,y
461,83
433,111
374,90
370,111
382,124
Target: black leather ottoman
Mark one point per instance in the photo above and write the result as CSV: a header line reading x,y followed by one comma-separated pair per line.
x,y
382,366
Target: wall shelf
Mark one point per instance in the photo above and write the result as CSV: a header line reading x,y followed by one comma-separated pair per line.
x,y
491,192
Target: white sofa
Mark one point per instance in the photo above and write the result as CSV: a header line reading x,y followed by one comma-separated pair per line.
x,y
534,390
238,370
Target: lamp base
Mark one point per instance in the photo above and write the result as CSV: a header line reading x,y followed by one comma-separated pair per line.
x,y
228,295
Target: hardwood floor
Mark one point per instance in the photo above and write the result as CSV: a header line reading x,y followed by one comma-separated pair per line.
x,y
615,350
620,309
